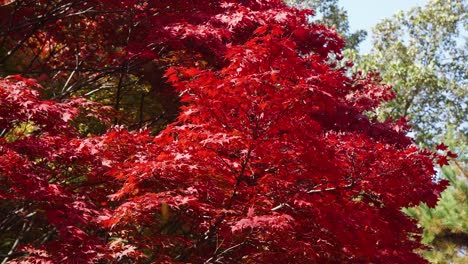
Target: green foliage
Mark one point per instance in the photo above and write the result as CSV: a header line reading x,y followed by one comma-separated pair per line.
x,y
446,225
422,53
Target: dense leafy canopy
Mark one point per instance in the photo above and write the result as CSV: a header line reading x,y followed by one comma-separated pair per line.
x,y
332,15
272,157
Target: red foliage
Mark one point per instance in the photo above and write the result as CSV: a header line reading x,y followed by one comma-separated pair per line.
x,y
271,160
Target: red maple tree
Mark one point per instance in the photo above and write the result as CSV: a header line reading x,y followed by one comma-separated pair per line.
x,y
272,159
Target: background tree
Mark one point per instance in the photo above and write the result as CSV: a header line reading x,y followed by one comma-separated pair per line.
x,y
422,54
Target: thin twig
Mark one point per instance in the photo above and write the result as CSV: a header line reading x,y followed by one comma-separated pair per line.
x,y
16,243
222,253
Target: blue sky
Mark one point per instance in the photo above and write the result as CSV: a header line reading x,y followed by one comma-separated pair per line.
x,y
364,14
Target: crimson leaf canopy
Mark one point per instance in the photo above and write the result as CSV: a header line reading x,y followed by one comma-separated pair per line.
x,y
272,159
